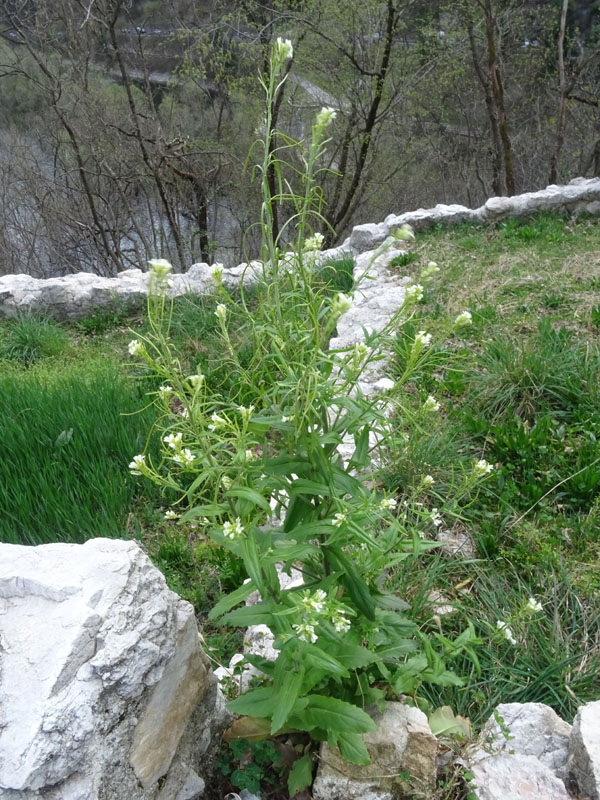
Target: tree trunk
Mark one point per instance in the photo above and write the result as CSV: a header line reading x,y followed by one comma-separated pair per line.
x,y
562,105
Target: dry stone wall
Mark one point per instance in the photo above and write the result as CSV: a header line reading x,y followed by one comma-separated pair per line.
x,y
75,296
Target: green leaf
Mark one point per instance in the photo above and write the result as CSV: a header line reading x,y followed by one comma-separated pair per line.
x,y
303,486
287,683
353,749
353,656
261,663
250,615
352,581
300,776
334,715
298,509
208,510
319,659
399,649
443,722
252,561
256,703
246,493
360,458
231,600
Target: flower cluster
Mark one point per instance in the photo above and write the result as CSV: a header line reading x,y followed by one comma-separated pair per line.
x,y
221,313
158,278
314,242
431,404
284,49
325,117
435,517
138,465
422,340
404,232
173,440
185,457
429,270
532,606
506,631
216,273
482,467
388,504
317,609
414,293
466,318
136,348
196,381
233,530
341,304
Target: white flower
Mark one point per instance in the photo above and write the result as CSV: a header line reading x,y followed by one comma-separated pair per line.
x,y
427,481
251,455
429,270
164,391
184,413
388,503
314,242
246,412
404,232
226,482
196,381
326,116
314,603
216,422
233,530
185,457
422,340
160,266
138,465
360,350
341,304
173,440
463,319
435,517
221,312
216,273
507,632
305,632
286,419
431,404
482,467
341,624
532,606
414,293
339,519
170,514
158,277
283,49
135,347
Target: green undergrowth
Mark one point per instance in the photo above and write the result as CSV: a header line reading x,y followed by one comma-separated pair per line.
x,y
519,388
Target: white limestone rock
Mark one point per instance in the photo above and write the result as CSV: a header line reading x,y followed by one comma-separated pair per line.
x,y
104,689
441,214
515,777
535,730
584,750
403,743
367,237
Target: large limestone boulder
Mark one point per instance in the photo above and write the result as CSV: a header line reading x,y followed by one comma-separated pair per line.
x,y
534,729
584,750
403,761
105,692
516,777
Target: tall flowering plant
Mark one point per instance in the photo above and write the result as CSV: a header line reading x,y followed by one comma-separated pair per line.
x,y
267,482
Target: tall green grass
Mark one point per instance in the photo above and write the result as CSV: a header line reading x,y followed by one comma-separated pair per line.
x,y
68,434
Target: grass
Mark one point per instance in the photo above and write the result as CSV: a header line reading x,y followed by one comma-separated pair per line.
x,y
68,436
519,388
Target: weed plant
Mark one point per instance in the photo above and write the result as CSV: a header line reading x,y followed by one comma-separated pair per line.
x,y
239,461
